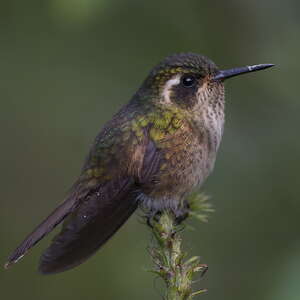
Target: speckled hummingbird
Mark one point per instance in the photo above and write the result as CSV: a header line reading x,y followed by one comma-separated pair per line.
x,y
152,153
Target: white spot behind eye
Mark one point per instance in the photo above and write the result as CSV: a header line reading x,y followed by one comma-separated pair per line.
x,y
168,86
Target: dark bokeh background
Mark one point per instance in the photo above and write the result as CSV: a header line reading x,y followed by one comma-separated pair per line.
x,y
67,65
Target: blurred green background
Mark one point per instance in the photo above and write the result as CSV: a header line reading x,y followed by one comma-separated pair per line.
x,y
67,65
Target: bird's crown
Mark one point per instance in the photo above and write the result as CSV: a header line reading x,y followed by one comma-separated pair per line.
x,y
185,63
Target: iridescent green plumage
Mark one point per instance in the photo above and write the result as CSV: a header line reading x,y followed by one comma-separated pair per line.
x,y
147,155
153,153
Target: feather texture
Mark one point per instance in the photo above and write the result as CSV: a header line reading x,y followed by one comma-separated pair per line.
x,y
45,227
90,226
156,150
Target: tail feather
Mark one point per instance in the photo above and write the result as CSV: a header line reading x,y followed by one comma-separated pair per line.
x,y
88,228
90,222
41,230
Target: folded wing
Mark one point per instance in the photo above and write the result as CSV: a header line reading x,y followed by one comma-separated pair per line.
x,y
90,226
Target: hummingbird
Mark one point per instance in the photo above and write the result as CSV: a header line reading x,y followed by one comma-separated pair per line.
x,y
155,151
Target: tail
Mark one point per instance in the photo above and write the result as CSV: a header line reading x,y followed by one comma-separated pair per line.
x,y
89,223
89,227
40,231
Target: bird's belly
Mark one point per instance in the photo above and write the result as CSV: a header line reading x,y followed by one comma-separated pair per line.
x,y
188,173
182,172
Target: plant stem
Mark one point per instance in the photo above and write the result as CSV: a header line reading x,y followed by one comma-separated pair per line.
x,y
170,260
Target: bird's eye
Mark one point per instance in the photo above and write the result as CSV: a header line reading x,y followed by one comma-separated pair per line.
x,y
188,81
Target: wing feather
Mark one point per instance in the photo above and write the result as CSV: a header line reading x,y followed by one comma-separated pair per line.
x,y
90,226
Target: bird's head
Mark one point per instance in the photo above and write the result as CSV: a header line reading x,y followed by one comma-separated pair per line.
x,y
189,80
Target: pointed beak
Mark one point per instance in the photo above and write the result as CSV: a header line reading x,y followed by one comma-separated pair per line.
x,y
222,75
